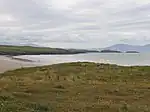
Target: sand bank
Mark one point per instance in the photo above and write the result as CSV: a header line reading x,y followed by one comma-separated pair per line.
x,y
10,63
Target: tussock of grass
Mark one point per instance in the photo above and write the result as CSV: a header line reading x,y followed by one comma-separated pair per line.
x,y
76,87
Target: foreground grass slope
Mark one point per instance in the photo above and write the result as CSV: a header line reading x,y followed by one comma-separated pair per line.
x,y
76,87
28,50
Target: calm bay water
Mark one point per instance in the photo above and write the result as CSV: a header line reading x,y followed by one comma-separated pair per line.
x,y
119,59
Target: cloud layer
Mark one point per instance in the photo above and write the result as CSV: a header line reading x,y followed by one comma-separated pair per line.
x,y
74,23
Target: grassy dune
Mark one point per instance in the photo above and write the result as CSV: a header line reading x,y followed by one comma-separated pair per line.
x,y
76,87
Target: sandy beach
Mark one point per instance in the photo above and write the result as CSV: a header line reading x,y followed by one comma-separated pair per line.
x,y
8,63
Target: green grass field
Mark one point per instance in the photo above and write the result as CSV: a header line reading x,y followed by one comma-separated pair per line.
x,y
23,48
76,87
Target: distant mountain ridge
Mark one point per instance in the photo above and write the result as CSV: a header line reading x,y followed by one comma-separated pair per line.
x,y
127,47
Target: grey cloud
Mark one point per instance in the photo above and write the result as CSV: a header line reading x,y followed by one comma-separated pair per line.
x,y
95,22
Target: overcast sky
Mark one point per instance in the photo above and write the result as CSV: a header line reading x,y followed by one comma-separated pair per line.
x,y
74,23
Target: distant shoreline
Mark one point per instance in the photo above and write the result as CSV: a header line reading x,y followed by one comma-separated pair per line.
x,y
19,59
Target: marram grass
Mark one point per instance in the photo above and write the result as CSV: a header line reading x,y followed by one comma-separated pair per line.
x,y
76,87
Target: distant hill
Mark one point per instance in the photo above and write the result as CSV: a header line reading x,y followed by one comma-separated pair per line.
x,y
29,50
126,48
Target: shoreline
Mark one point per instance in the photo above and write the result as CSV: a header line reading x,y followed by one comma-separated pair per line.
x,y
19,59
8,63
11,63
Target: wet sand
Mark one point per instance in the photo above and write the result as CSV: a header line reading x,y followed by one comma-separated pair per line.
x,y
10,63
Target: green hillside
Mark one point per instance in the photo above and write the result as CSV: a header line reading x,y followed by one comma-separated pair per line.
x,y
28,50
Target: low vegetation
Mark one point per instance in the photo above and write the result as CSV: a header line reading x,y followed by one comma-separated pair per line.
x,y
76,87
